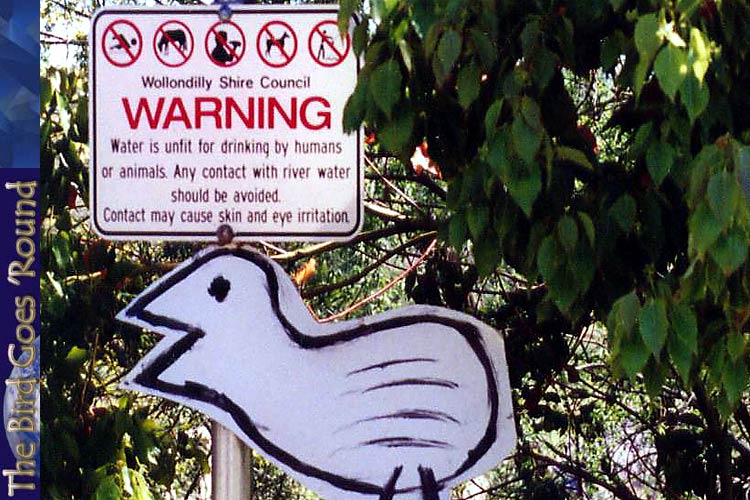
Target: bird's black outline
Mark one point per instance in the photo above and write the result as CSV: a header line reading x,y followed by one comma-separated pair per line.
x,y
149,376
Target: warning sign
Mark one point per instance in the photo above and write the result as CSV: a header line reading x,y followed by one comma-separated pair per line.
x,y
186,140
122,43
327,47
173,43
277,44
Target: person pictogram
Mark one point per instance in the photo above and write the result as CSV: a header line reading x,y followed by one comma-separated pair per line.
x,y
324,40
326,46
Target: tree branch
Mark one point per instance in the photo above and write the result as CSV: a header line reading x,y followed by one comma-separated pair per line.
x,y
323,289
380,292
577,470
419,179
406,226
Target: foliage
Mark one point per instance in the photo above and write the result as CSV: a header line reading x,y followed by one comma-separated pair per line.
x,y
587,166
483,83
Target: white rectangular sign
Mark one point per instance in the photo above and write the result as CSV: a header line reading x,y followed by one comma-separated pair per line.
x,y
198,122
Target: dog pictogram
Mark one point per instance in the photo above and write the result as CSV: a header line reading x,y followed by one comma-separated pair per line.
x,y
276,44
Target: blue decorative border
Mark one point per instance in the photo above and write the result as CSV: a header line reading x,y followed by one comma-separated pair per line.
x,y
19,244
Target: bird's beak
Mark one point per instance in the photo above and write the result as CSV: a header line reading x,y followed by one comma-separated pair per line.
x,y
153,310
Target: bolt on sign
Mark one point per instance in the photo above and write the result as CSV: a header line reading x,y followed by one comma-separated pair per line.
x,y
199,122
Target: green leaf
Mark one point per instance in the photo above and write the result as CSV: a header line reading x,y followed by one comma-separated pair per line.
x,y
639,76
582,266
622,317
385,86
699,56
497,156
531,113
567,233
685,326
478,218
469,79
734,379
346,9
448,50
396,134
653,324
546,257
45,94
683,340
141,489
107,490
687,7
544,63
736,345
647,40
634,355
623,211
704,229
486,255
671,69
491,117
354,110
588,227
360,37
659,160
82,119
76,357
423,17
565,153
723,197
694,96
681,356
524,189
485,48
525,139
457,231
730,251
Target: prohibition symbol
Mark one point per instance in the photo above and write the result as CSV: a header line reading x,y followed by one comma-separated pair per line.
x,y
122,43
225,44
326,46
173,43
276,44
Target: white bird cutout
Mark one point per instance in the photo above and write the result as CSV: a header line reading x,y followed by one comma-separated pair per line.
x,y
402,405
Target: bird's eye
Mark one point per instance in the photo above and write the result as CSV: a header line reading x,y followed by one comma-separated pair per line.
x,y
219,288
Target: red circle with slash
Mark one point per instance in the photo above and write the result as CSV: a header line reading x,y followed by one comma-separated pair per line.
x,y
326,45
276,44
129,44
225,53
173,37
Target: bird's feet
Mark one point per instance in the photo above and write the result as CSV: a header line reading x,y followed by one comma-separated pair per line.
x,y
430,488
390,486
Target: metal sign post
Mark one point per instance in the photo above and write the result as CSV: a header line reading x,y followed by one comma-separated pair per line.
x,y
231,466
